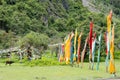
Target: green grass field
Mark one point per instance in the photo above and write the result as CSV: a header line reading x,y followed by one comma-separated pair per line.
x,y
20,72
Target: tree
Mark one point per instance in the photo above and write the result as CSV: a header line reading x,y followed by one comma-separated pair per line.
x,y
34,39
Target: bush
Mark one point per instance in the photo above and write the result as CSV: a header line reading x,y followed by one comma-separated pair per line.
x,y
34,39
46,60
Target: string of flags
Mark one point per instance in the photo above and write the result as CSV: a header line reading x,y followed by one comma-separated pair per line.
x,y
71,51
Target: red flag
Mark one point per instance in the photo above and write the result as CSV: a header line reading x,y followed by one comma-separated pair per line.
x,y
90,38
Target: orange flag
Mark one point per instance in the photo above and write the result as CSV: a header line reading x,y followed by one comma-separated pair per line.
x,y
78,50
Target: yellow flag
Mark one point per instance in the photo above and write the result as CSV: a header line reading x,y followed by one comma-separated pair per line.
x,y
75,51
67,50
78,49
112,65
109,18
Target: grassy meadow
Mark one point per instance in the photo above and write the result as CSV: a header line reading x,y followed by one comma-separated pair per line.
x,y
19,71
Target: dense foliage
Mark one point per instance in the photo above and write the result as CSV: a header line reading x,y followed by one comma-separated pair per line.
x,y
48,19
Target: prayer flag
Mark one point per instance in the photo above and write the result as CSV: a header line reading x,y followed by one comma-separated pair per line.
x,y
90,44
109,19
67,49
98,57
78,50
75,49
93,48
112,65
72,48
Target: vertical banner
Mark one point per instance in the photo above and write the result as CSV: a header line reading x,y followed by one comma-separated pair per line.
x,y
72,48
75,49
90,44
112,65
61,52
98,57
109,19
78,50
67,49
93,48
107,51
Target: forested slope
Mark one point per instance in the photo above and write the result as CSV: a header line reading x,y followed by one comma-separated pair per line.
x,y
51,19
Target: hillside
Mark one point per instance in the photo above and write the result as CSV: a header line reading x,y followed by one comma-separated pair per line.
x,y
53,19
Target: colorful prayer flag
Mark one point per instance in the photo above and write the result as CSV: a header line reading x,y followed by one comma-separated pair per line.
x,y
78,50
109,19
112,65
75,49
67,49
98,57
93,48
72,48
90,44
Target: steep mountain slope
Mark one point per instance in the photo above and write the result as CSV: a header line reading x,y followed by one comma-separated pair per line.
x,y
91,7
53,18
